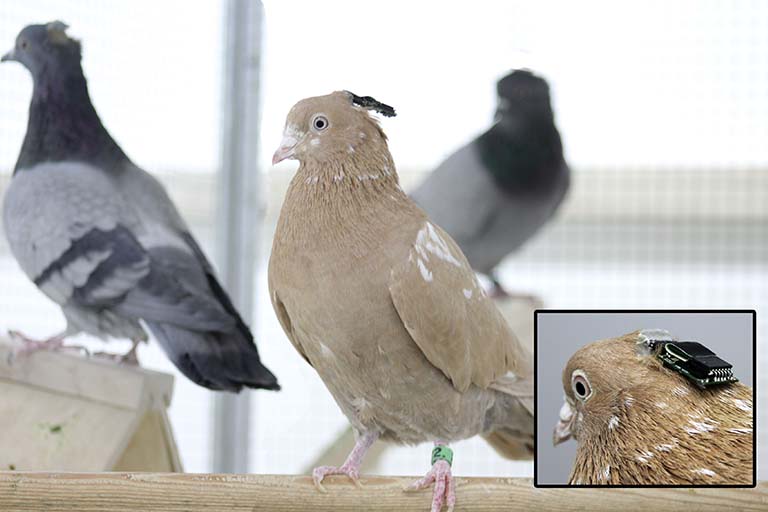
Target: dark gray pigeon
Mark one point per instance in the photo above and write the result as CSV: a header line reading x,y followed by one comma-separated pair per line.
x,y
101,237
496,192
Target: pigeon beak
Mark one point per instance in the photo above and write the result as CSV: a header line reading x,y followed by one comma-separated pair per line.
x,y
287,146
563,430
11,55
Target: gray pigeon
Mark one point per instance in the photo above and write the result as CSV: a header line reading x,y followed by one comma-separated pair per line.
x,y
496,192
101,237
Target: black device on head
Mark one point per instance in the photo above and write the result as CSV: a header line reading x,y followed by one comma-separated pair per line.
x,y
370,103
695,362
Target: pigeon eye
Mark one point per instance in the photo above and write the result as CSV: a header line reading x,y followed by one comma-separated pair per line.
x,y
319,123
24,44
580,385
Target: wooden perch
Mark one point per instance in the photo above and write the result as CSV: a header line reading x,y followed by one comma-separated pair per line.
x,y
156,492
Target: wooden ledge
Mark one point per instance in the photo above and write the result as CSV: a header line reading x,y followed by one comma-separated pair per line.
x,y
167,492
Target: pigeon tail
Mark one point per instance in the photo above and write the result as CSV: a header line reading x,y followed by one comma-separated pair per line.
x,y
511,443
217,361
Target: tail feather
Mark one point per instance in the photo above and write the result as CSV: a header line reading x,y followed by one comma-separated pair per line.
x,y
217,361
511,444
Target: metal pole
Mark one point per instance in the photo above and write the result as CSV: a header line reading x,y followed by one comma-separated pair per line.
x,y
239,212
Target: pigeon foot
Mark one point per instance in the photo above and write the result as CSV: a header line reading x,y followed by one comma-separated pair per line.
x,y
444,492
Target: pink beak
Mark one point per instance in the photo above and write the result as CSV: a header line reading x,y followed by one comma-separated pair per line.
x,y
287,146
563,430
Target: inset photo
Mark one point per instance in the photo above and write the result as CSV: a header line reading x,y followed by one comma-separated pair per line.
x,y
645,398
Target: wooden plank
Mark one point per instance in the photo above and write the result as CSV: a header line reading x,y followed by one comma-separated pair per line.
x,y
47,431
151,492
95,379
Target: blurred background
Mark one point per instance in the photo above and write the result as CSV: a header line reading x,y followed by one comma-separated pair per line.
x,y
662,107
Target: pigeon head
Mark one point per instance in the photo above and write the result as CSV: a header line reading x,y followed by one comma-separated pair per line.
x,y
594,380
522,92
331,127
637,422
44,49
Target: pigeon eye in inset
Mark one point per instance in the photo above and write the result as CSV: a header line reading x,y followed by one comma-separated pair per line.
x,y
319,123
580,385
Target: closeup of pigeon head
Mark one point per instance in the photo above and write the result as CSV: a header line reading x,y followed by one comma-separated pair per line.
x,y
523,93
45,49
639,422
595,379
325,128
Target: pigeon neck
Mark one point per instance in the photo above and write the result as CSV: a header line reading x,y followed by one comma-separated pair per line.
x,y
63,125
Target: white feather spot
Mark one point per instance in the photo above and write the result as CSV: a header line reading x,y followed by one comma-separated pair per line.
x,y
704,471
315,141
613,423
361,135
338,177
325,351
699,427
606,475
740,430
743,405
467,293
679,391
645,456
664,447
629,401
350,149
662,405
312,180
425,273
431,241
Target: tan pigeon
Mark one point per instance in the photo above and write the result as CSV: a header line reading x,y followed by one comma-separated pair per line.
x,y
383,304
639,423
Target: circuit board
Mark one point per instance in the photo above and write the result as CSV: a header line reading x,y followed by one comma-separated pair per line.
x,y
696,362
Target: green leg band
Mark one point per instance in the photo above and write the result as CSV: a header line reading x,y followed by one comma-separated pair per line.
x,y
442,453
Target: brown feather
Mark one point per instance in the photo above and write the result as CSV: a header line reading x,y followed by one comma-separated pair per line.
x,y
645,424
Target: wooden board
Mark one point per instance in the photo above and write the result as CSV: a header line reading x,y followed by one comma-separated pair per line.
x,y
148,492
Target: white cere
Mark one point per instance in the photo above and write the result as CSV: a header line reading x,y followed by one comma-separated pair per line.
x,y
613,423
425,273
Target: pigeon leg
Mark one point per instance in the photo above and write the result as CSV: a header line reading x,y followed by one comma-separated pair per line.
x,y
498,292
30,345
351,466
444,492
130,358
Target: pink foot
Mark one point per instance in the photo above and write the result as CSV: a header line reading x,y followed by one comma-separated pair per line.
x,y
351,470
31,345
445,487
130,358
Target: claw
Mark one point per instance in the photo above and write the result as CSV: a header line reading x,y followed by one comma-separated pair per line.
x,y
319,473
445,487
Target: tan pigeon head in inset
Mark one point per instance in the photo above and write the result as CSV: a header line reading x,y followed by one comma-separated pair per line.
x,y
637,422
324,128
